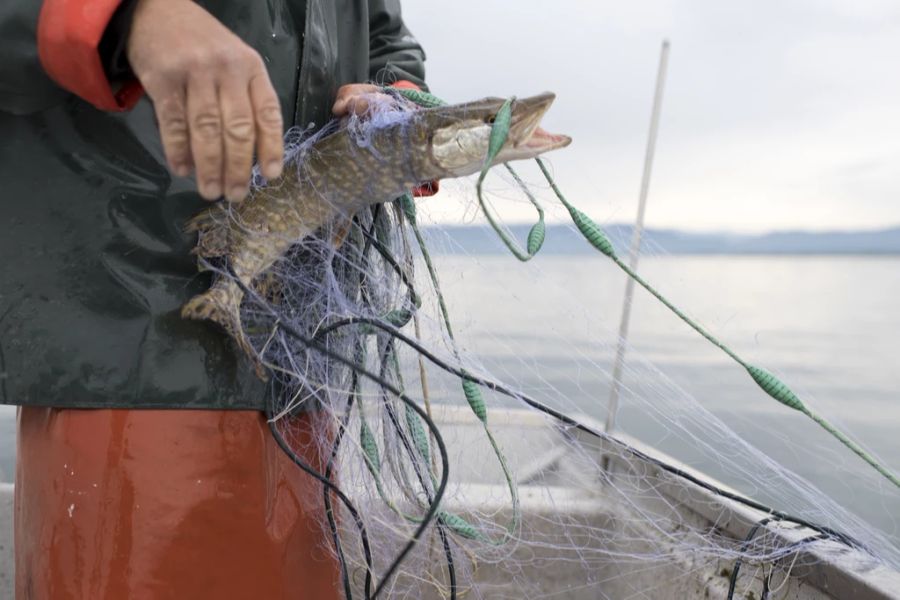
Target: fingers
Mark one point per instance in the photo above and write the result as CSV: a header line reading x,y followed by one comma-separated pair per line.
x,y
351,99
238,136
205,124
269,126
226,123
171,113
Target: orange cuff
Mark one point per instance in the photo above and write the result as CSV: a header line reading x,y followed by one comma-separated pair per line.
x,y
69,32
432,187
405,85
427,189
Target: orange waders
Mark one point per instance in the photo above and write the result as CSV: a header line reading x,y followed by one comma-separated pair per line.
x,y
167,504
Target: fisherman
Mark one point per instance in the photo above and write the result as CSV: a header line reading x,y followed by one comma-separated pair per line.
x,y
120,118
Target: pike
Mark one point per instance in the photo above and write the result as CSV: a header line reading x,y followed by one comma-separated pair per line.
x,y
344,172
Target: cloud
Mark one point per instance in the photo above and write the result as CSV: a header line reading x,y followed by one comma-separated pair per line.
x,y
777,115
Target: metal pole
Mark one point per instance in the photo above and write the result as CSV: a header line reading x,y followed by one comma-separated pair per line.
x,y
637,233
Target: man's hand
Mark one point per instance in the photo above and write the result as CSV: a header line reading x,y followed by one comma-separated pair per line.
x,y
354,98
212,95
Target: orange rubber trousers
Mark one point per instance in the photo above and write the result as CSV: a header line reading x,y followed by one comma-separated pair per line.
x,y
167,504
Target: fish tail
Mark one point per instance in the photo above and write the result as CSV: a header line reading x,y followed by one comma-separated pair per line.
x,y
221,304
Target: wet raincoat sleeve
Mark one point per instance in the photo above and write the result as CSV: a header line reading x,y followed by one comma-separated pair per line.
x,y
69,36
394,54
50,49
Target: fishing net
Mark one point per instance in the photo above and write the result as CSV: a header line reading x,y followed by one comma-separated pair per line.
x,y
464,460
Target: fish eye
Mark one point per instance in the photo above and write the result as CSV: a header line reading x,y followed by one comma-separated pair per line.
x,y
490,120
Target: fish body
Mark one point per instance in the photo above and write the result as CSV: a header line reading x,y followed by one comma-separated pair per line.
x,y
355,164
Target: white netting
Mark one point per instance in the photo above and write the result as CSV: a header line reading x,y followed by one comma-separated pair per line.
x,y
534,505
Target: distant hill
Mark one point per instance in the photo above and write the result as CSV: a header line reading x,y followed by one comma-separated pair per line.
x,y
562,239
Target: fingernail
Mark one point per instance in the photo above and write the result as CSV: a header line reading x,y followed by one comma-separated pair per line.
x,y
212,189
237,193
273,169
182,170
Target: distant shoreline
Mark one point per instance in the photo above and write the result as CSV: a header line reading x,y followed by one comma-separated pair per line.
x,y
564,240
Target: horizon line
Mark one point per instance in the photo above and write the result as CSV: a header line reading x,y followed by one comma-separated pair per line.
x,y
849,230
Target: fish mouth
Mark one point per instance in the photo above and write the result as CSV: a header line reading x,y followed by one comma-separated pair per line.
x,y
459,136
526,137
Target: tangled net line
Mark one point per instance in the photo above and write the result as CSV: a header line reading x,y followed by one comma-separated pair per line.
x,y
336,340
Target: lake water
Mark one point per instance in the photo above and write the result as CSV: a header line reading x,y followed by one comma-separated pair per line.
x,y
827,325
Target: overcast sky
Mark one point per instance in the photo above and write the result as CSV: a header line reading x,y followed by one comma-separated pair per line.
x,y
777,114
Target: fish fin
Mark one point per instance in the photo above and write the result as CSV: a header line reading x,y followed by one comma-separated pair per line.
x,y
341,230
205,219
221,304
211,225
212,243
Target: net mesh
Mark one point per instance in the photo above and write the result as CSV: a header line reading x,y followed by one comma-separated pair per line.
x,y
451,475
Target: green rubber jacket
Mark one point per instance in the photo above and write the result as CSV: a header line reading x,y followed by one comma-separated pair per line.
x,y
94,265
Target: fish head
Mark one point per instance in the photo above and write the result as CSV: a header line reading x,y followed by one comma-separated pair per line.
x,y
457,136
